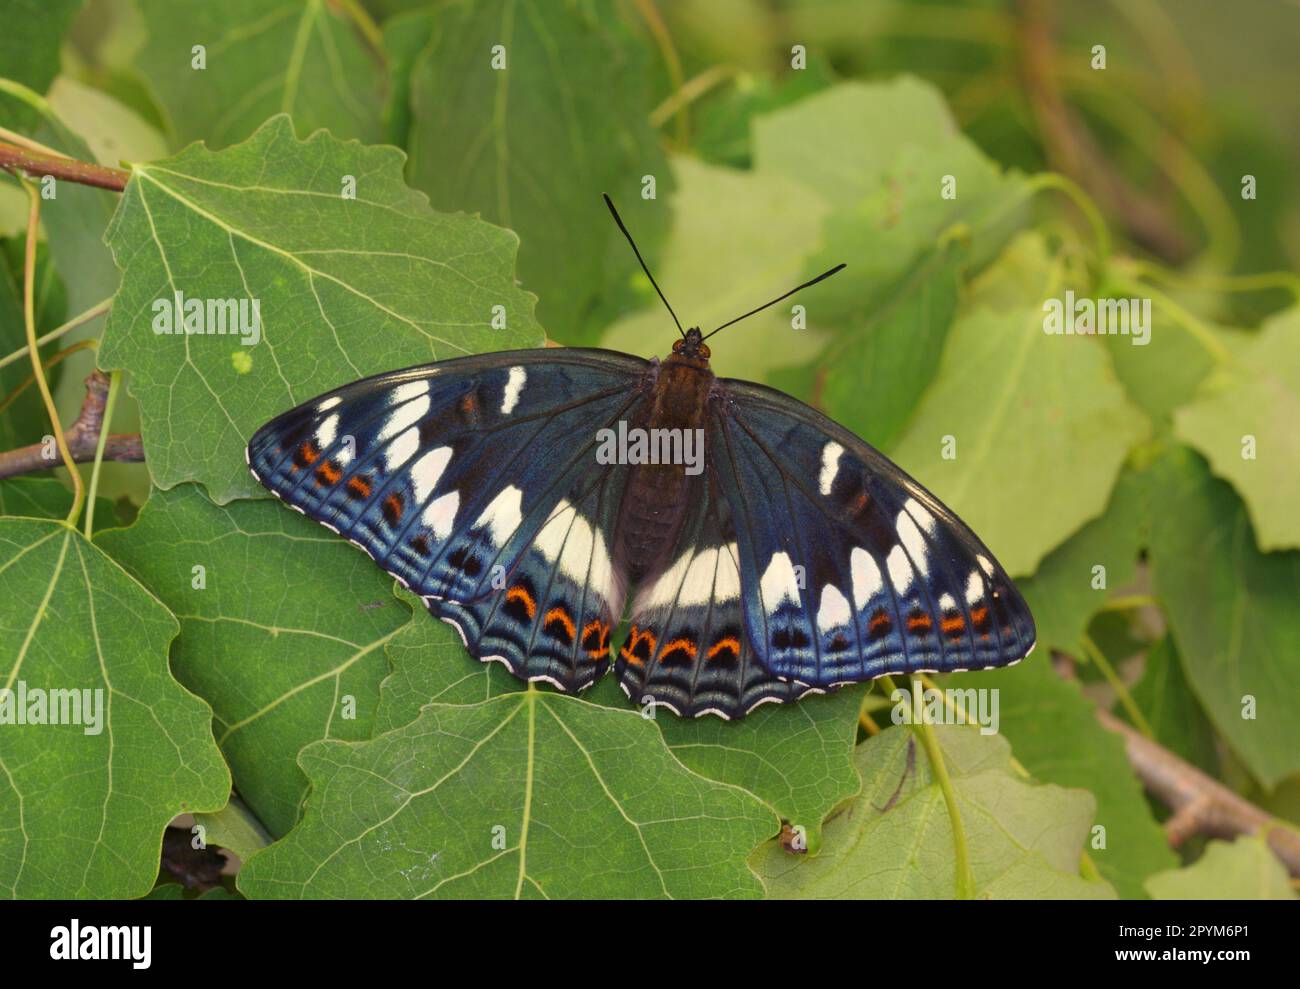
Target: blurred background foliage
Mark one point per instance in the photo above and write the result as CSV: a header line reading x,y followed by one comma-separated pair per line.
x,y
1120,179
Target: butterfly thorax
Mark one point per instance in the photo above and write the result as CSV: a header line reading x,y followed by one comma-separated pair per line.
x,y
658,495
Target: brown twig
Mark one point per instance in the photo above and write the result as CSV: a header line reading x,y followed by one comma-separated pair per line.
x,y
15,157
1072,149
82,437
1201,804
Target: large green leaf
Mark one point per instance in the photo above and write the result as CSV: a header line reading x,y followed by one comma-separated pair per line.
x,y
1054,732
347,287
1063,594
533,145
895,841
83,805
796,758
1258,396
1165,699
1038,420
284,638
530,794
262,57
29,45
739,238
1241,870
1232,610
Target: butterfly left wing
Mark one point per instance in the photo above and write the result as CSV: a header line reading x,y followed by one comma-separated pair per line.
x,y
854,569
463,479
686,647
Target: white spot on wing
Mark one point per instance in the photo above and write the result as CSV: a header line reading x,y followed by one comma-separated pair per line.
x,y
441,514
408,391
900,571
831,454
427,470
326,432
984,563
912,540
947,602
974,588
404,417
503,515
834,610
402,449
779,582
328,403
919,512
866,577
514,386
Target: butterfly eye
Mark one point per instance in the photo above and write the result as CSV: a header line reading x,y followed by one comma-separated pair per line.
x,y
677,346
704,351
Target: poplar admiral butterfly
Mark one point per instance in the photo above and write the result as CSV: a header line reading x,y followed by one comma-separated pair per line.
x,y
799,559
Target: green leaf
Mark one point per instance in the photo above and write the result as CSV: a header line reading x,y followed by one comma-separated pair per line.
x,y
45,498
83,805
533,145
1061,595
874,373
738,239
530,794
1054,732
347,288
1232,610
1038,420
722,125
1244,870
1257,396
29,45
796,758
284,637
262,57
895,840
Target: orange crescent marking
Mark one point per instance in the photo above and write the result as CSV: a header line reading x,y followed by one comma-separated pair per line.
x,y
730,642
520,593
565,620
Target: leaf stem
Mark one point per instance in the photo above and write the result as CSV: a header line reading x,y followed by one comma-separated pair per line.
x,y
93,312
1098,659
13,156
1072,190
114,381
29,318
664,39
964,878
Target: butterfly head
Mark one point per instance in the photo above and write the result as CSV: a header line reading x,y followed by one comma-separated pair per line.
x,y
692,347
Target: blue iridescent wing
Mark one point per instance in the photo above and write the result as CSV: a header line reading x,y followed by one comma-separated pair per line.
x,y
686,647
850,569
474,482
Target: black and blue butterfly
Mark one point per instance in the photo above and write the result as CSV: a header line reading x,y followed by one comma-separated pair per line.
x,y
800,559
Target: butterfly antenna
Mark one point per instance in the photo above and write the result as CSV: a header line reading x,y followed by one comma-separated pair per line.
x,y
619,220
823,275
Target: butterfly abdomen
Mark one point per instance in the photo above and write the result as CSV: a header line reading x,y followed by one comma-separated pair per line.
x,y
657,495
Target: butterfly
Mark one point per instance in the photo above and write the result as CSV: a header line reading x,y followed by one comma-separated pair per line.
x,y
793,558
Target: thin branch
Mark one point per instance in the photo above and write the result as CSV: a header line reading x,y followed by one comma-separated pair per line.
x,y
1200,803
93,312
82,437
17,158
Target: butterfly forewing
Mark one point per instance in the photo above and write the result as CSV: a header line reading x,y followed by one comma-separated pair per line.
x,y
854,570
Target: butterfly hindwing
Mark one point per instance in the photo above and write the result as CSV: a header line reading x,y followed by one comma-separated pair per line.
x,y
854,570
686,647
551,613
471,479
